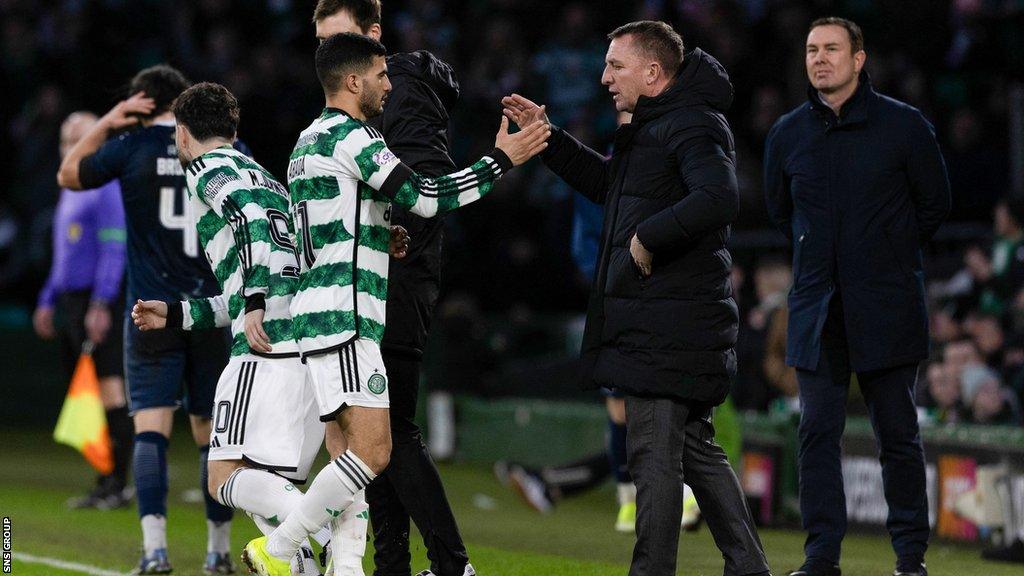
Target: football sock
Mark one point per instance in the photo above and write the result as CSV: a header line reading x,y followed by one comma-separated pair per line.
x,y
260,493
154,533
331,492
121,430
626,492
218,537
578,476
617,451
348,533
149,464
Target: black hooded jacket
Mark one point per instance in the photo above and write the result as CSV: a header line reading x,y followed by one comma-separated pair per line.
x,y
671,180
415,127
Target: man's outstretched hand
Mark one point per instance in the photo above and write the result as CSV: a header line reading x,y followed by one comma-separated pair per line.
x,y
150,314
523,111
525,144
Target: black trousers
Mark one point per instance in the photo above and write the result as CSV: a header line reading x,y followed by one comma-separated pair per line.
x,y
671,441
889,395
411,487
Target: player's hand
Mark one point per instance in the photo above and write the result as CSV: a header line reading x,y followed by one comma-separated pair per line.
x,y
254,333
525,144
97,322
127,111
150,315
523,111
42,321
641,256
398,247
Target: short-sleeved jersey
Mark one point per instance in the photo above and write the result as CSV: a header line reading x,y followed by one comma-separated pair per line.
x,y
244,225
164,260
342,180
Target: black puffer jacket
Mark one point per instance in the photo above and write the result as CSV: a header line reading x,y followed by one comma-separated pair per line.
x,y
672,181
415,127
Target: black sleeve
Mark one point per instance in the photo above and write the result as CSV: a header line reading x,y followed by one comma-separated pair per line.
x,y
709,173
929,184
776,185
415,127
581,167
104,165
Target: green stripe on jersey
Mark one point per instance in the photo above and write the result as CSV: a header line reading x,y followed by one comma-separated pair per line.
x,y
375,237
208,226
340,275
330,233
316,188
261,197
334,322
368,166
203,317
324,142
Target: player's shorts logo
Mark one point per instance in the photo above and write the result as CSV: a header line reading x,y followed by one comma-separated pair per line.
x,y
377,383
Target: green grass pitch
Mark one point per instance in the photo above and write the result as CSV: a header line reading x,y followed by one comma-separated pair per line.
x,y
504,537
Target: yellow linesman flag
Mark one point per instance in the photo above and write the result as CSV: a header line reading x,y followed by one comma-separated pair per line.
x,y
83,423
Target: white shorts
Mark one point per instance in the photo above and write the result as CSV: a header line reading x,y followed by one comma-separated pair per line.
x,y
350,376
265,414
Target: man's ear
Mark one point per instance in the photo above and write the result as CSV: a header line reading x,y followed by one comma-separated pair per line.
x,y
353,83
654,72
374,31
860,58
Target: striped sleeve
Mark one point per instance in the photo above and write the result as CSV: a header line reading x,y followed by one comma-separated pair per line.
x,y
370,161
200,313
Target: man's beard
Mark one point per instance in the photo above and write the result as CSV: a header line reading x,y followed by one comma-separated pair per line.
x,y
370,105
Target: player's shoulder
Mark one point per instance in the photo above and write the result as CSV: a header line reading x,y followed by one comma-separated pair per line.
x,y
333,132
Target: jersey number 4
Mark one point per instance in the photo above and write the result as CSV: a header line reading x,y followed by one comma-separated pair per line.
x,y
172,220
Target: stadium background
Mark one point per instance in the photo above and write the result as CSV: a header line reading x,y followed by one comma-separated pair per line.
x,y
509,320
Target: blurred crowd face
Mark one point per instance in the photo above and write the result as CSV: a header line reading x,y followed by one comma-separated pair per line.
x,y
959,354
988,401
832,66
769,280
1005,224
625,73
73,129
943,387
988,335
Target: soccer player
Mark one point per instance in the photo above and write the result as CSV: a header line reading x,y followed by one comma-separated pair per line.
x,y
266,431
84,286
415,125
343,179
164,263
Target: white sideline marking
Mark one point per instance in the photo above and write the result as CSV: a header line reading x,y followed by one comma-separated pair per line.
x,y
64,565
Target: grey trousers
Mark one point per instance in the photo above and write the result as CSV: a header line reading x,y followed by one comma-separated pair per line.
x,y
670,440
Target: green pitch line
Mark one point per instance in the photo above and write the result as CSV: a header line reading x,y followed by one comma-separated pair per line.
x,y
505,538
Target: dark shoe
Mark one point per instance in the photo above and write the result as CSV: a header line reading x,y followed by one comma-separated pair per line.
x,y
918,570
1012,553
96,498
817,568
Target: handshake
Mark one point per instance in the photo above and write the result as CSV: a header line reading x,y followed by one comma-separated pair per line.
x,y
534,129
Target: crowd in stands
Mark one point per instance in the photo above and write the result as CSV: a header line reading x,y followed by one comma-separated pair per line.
x,y
956,60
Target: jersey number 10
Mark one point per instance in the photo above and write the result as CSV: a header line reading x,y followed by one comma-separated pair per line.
x,y
172,220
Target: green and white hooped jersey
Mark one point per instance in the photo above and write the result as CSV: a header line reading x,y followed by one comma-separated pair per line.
x,y
343,179
242,216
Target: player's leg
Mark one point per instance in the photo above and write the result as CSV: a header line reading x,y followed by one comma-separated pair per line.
x,y
626,491
154,368
109,358
347,532
207,358
351,387
417,484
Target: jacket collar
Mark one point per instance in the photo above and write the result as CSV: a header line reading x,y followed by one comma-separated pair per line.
x,y
854,110
701,81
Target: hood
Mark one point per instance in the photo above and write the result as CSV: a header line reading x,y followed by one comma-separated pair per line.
x,y
428,69
701,81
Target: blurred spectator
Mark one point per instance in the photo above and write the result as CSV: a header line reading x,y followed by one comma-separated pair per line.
x,y
942,394
988,402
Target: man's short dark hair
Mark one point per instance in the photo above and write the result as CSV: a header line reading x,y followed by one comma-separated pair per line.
x,y
856,36
365,13
343,54
657,40
162,83
208,110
